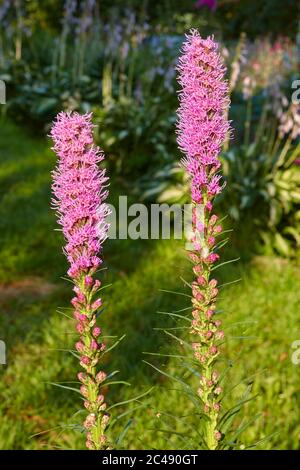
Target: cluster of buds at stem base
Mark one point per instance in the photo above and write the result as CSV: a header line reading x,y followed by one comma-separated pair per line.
x,y
91,349
206,327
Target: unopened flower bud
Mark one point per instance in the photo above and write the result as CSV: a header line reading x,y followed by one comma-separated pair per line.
x,y
96,285
90,421
87,405
80,328
211,241
84,391
213,283
218,229
100,377
195,314
88,281
94,345
214,292
75,302
97,304
213,219
100,399
209,206
105,420
82,377
199,297
220,334
197,270
79,346
90,445
201,280
209,313
80,295
212,257
85,361
96,331
215,376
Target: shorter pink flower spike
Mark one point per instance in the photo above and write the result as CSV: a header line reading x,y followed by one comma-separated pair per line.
x,y
79,188
79,191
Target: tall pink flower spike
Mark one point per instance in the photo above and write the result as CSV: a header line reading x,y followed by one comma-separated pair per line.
x,y
202,129
79,188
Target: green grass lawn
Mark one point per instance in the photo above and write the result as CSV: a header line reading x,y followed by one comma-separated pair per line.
x,y
261,320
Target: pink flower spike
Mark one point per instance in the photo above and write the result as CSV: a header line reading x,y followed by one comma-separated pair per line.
x,y
80,190
202,129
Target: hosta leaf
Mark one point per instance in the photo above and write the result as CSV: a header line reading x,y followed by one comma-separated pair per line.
x,y
281,245
294,233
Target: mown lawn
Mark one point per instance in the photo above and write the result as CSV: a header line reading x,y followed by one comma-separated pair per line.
x,y
261,320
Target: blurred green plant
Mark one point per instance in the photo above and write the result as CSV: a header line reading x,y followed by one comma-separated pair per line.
x,y
135,136
267,191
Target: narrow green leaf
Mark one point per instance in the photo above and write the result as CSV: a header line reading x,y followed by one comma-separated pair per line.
x,y
225,262
64,386
131,399
176,293
114,345
176,315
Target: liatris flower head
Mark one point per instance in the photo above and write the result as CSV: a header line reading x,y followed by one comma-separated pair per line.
x,y
79,188
202,126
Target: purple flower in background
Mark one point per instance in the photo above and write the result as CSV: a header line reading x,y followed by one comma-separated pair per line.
x,y
4,9
70,8
211,4
87,16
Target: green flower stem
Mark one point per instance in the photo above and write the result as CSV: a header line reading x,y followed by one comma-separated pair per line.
x,y
205,328
91,350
